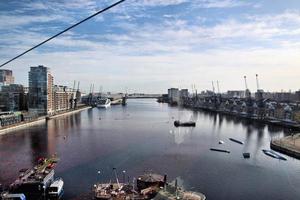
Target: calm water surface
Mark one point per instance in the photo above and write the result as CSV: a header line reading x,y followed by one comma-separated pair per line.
x,y
141,137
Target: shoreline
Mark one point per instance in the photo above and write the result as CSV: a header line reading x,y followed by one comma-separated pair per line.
x,y
21,125
43,119
289,145
68,112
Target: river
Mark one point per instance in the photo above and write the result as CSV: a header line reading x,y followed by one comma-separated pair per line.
x,y
141,137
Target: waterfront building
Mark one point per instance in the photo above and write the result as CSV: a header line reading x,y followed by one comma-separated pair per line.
x,y
6,77
173,95
236,94
40,93
13,98
62,97
184,93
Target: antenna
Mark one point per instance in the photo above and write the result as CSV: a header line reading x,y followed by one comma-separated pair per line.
x,y
218,87
257,84
245,78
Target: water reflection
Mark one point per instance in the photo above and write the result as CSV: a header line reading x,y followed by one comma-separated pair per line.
x,y
142,136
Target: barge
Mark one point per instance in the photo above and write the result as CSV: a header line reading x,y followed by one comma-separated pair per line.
x,y
34,183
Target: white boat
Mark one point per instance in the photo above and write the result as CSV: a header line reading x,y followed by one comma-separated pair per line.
x,y
103,102
55,191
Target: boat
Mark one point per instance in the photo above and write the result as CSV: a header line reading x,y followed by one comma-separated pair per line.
x,y
146,187
246,155
34,183
103,102
237,141
172,191
220,150
55,190
221,142
188,123
9,196
273,154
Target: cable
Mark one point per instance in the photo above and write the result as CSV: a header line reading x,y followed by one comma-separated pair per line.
x,y
93,15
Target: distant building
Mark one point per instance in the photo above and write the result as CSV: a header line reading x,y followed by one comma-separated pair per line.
x,y
173,95
40,93
236,94
13,98
6,77
184,93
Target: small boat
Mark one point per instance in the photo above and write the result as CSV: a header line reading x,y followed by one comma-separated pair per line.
x,y
220,150
221,142
103,102
273,154
188,123
55,191
237,141
8,196
246,155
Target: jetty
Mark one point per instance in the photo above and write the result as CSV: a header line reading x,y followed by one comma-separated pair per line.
x,y
289,145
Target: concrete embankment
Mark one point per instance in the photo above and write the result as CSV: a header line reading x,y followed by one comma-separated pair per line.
x,y
21,125
40,120
68,112
289,145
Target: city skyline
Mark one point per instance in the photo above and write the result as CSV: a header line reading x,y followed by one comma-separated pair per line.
x,y
148,46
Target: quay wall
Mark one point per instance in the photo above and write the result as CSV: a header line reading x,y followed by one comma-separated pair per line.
x,y
284,145
68,112
21,125
40,120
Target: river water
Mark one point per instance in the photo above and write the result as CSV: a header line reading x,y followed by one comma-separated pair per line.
x,y
141,137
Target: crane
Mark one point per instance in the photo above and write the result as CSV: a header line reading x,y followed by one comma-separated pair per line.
x,y
218,87
245,78
257,84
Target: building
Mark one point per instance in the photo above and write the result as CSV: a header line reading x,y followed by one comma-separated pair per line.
x,y
236,94
40,92
184,93
13,98
6,77
173,95
62,97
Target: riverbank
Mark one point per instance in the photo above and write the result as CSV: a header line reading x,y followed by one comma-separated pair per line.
x,y
21,125
69,112
289,145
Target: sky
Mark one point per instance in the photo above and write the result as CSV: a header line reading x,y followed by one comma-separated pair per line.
x,y
152,45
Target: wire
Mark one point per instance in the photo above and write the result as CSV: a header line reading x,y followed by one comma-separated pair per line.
x,y
54,36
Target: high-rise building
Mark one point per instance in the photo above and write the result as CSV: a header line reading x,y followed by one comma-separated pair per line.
x,y
40,93
12,98
6,77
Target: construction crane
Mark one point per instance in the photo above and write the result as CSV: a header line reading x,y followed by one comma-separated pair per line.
x,y
218,87
257,84
72,97
246,85
213,86
77,95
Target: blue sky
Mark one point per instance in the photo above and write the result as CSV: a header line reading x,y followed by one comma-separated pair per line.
x,y
151,45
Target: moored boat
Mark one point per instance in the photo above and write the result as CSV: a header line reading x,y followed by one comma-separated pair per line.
x,y
188,123
55,190
103,102
273,154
